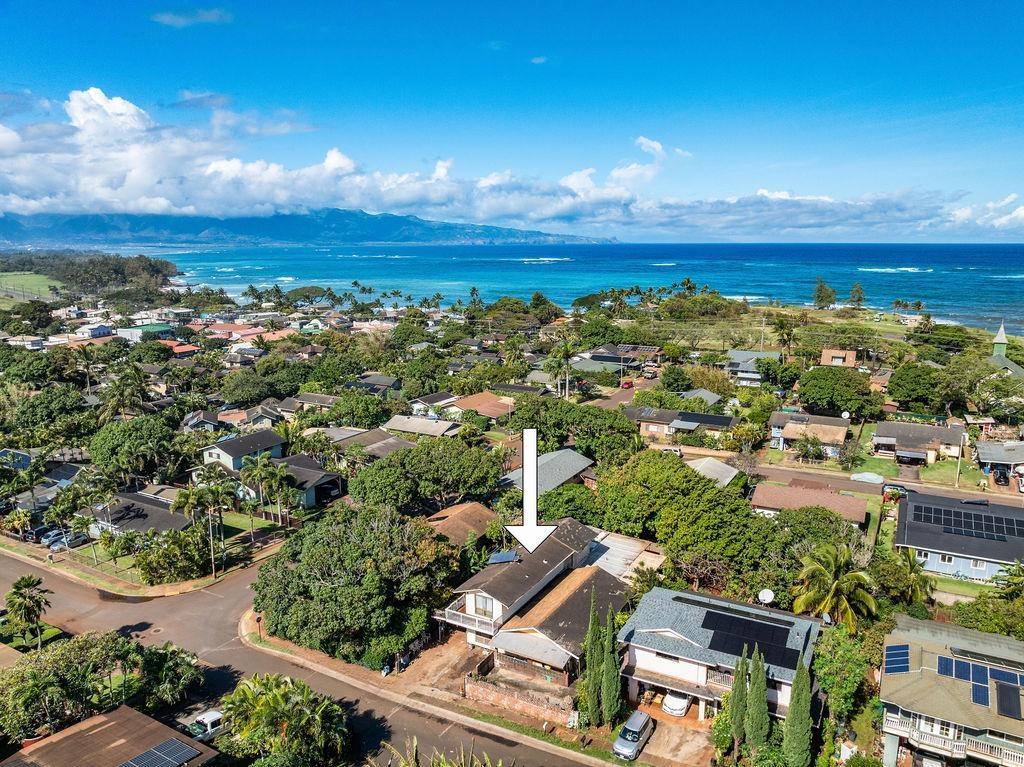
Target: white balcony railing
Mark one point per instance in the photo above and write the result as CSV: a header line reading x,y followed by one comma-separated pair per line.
x,y
956,747
455,614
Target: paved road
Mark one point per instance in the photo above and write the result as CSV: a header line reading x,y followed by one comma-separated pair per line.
x,y
841,482
206,622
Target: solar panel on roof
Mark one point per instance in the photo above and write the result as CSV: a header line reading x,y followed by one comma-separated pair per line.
x,y
979,674
945,666
170,753
897,659
1008,700
962,670
979,694
991,660
1006,677
502,557
732,633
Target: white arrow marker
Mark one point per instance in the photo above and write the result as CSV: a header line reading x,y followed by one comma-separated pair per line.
x,y
530,534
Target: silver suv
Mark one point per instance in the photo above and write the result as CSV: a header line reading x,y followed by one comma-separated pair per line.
x,y
633,736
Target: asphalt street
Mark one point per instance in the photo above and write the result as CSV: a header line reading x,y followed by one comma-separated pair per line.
x,y
206,623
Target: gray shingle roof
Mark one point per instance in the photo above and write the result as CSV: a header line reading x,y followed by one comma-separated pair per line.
x,y
236,447
673,623
991,451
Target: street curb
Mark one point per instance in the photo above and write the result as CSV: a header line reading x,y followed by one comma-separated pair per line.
x,y
417,705
144,593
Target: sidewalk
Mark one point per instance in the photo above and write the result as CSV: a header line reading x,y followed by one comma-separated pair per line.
x,y
404,690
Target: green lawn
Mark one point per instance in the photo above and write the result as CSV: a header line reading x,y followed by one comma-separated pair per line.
x,y
237,524
944,472
874,518
27,641
959,587
27,281
882,466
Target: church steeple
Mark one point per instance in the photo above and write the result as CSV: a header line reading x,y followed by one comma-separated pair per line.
x,y
999,342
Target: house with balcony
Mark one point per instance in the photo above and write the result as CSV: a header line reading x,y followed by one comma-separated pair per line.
x,y
741,365
970,539
951,695
689,643
485,602
917,443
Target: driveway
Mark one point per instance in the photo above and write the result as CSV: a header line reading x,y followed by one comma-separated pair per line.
x,y
678,744
206,623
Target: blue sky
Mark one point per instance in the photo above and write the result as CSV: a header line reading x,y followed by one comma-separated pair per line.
x,y
646,121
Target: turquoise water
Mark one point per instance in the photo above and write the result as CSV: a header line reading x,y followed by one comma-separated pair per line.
x,y
970,284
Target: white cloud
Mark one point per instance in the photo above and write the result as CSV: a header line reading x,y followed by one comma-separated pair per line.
x,y
682,153
188,99
110,155
650,146
188,19
9,140
539,60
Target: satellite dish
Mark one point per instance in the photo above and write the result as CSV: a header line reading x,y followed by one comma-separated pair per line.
x,y
766,596
846,414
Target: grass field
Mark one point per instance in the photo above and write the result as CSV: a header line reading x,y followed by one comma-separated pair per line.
x,y
944,472
27,641
16,287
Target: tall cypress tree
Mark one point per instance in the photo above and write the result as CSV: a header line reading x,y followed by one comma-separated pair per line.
x,y
611,685
796,737
756,724
593,653
738,702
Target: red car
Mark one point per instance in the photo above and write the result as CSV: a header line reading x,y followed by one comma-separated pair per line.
x,y
627,384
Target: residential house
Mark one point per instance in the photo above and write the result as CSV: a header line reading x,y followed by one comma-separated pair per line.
x,y
116,738
999,358
202,420
879,380
842,358
376,442
141,511
708,396
432,404
94,330
485,403
318,403
231,451
1007,456
964,538
462,521
741,365
33,343
689,643
769,499
787,428
917,443
546,639
553,470
316,486
488,599
984,423
134,334
718,471
59,474
266,415
662,424
377,385
421,426
951,695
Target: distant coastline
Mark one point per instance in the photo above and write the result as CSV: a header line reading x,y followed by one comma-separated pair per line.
x,y
973,285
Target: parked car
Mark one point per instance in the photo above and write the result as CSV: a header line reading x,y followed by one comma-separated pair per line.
x,y
633,736
207,726
52,537
676,703
74,540
649,374
897,491
35,534
1001,476
627,384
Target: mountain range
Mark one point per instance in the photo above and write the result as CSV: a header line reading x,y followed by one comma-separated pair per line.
x,y
327,226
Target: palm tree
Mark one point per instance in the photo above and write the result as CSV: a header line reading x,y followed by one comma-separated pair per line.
x,y
279,482
1010,582
919,584
413,758
195,502
168,672
255,473
127,393
831,583
41,686
86,357
26,604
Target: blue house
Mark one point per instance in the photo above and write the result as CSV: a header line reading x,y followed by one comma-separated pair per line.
x,y
230,452
971,539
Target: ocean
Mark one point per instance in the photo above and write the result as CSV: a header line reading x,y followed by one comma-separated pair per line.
x,y
977,285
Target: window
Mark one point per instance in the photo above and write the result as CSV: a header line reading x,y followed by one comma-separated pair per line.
x,y
946,559
922,556
484,606
977,564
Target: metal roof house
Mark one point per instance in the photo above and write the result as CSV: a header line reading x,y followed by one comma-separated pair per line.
x,y
917,442
231,451
963,538
553,470
951,694
661,424
688,642
741,365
